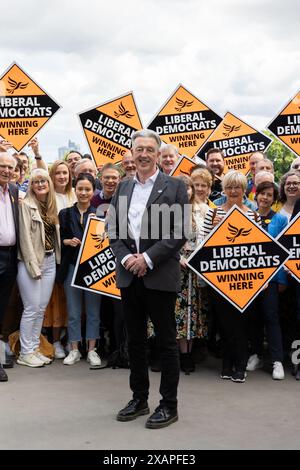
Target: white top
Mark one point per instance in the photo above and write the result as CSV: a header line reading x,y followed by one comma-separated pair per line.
x,y
208,221
7,223
63,201
287,214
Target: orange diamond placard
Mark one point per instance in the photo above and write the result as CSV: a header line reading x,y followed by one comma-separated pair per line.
x,y
24,107
238,141
185,122
290,239
108,128
95,266
238,258
286,125
183,167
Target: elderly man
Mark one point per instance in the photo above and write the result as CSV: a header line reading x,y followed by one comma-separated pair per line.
x,y
128,164
295,165
169,157
86,165
146,241
8,237
264,165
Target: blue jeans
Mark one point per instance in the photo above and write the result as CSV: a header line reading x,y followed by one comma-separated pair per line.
x,y
92,309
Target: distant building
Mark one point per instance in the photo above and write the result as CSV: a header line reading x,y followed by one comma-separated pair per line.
x,y
63,150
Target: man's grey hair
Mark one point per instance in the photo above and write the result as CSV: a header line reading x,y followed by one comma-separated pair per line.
x,y
265,176
5,155
268,161
82,162
170,147
146,133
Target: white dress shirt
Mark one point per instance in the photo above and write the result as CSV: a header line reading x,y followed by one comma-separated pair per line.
x,y
140,197
7,223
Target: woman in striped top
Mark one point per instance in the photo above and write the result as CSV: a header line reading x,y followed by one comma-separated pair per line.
x,y
232,323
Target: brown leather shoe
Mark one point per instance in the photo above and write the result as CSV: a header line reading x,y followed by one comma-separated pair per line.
x,y
161,418
3,375
133,409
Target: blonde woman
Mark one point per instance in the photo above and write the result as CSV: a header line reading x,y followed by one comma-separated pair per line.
x,y
56,312
231,322
202,181
39,251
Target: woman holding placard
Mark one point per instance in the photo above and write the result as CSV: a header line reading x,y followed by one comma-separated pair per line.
x,y
72,224
233,324
267,302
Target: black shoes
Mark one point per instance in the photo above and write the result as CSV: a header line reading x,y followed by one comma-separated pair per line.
x,y
187,364
133,409
3,375
8,364
226,374
161,418
238,376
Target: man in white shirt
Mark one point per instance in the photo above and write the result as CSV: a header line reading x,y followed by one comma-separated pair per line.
x,y
148,273
8,238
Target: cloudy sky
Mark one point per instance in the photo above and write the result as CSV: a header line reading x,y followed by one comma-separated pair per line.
x,y
237,56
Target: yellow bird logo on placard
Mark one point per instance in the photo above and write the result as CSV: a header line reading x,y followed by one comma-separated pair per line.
x,y
229,129
15,86
123,112
99,239
182,104
236,232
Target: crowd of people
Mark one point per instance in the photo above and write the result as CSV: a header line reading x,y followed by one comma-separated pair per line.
x,y
43,214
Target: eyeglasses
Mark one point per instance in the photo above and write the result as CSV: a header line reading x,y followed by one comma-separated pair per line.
x,y
38,182
233,188
292,183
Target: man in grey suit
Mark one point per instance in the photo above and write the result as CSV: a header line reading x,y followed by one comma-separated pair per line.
x,y
146,230
9,221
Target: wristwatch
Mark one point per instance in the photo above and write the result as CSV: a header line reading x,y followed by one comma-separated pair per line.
x,y
38,157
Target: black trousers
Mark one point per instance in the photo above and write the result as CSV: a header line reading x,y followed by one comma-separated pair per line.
x,y
233,330
139,304
8,275
266,312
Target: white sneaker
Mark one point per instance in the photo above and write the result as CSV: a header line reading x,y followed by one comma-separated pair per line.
x,y
59,352
30,360
46,360
254,362
73,357
93,358
278,371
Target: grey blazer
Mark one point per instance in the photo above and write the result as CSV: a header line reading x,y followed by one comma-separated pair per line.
x,y
163,248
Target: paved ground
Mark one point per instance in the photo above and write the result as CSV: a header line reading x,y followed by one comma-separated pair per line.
x,y
61,407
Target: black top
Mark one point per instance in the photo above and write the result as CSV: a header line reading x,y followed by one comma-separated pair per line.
x,y
72,225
